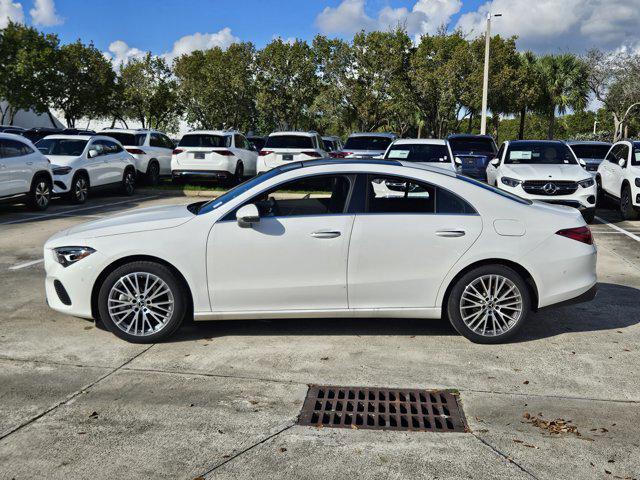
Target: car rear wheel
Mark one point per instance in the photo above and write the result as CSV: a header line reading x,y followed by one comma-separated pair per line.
x,y
129,182
489,304
40,194
142,302
153,173
626,204
79,189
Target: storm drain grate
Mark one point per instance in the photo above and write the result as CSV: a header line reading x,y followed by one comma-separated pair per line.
x,y
382,409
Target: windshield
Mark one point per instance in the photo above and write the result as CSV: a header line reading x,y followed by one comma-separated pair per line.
x,y
61,146
367,143
204,140
288,141
541,153
419,153
243,187
635,158
128,139
480,145
590,151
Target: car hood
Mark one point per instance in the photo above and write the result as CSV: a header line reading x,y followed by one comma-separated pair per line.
x,y
153,218
61,160
544,172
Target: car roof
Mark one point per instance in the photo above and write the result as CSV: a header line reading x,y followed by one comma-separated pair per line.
x,y
74,137
293,132
13,136
420,141
587,142
127,130
380,162
211,132
330,137
373,134
469,135
511,142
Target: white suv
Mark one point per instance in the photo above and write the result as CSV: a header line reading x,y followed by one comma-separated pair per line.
x,y
222,155
619,177
24,172
544,170
435,153
83,162
286,147
150,149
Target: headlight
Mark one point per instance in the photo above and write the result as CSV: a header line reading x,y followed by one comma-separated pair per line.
x,y
587,182
510,182
66,256
61,170
637,182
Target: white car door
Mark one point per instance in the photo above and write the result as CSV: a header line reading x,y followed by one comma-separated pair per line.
x,y
607,170
405,243
617,171
248,155
294,258
97,167
159,148
14,174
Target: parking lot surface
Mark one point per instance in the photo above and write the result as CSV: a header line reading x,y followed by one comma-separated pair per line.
x,y
221,399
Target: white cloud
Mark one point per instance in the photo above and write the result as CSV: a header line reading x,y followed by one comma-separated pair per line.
x,y
560,25
44,13
426,16
10,11
120,53
201,41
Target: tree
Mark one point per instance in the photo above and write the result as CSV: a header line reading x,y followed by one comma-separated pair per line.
x,y
564,85
28,66
217,86
527,89
149,93
613,79
286,84
86,82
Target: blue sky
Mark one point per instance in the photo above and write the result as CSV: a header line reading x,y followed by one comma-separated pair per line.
x,y
126,28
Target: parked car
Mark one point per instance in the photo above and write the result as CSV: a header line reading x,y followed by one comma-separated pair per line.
x,y
222,155
35,134
436,153
24,172
366,145
332,144
447,245
257,141
286,147
473,153
150,149
618,177
11,129
81,163
544,170
591,153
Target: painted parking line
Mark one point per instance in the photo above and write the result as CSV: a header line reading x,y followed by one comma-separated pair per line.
x,y
26,264
67,212
620,230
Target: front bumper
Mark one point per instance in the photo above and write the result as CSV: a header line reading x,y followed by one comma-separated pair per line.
x,y
582,199
62,183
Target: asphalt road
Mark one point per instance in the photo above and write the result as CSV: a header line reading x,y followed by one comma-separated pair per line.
x,y
221,399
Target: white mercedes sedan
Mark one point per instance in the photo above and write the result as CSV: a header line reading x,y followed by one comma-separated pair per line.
x,y
320,239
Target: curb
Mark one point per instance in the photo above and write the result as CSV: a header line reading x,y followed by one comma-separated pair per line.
x,y
181,193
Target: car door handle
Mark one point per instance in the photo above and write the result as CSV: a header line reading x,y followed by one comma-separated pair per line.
x,y
325,234
450,233
29,163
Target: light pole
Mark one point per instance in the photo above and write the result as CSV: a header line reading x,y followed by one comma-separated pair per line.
x,y
485,79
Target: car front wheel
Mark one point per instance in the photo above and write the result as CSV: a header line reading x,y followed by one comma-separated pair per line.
x,y
142,302
40,194
626,205
489,304
79,189
129,182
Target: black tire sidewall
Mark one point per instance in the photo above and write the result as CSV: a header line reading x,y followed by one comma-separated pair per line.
x,y
33,202
174,284
628,213
153,173
453,303
128,172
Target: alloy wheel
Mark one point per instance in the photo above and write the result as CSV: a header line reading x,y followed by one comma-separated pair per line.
x,y
81,189
129,183
42,194
140,303
491,305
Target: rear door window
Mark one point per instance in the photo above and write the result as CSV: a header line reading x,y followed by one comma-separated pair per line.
x,y
13,148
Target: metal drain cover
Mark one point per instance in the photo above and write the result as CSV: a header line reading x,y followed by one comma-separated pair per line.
x,y
382,409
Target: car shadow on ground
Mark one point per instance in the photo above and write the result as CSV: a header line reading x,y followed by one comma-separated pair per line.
x,y
614,307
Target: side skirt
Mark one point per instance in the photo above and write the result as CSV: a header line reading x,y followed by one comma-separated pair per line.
x,y
433,312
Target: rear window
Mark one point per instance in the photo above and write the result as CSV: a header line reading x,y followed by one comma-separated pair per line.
x,y
419,153
289,141
472,145
329,145
367,143
590,151
61,146
128,139
539,153
204,140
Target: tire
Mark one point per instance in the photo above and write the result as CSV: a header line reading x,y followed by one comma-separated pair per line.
x,y
79,189
589,215
508,320
601,198
153,173
626,204
40,194
162,319
128,182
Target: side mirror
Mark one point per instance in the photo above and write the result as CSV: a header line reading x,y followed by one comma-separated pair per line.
x,y
582,162
457,161
247,215
622,162
495,162
93,153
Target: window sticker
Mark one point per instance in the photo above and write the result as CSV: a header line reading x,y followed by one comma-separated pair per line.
x,y
519,155
637,157
402,154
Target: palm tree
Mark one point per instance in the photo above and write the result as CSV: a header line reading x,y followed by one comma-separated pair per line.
x,y
564,81
528,92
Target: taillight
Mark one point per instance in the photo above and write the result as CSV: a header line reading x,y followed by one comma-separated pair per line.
x,y
226,153
341,154
135,151
580,234
265,152
177,151
312,154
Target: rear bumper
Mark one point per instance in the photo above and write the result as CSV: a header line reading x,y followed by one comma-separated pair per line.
x,y
582,298
201,174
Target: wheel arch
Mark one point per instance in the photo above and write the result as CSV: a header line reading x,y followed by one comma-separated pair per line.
x,y
625,183
81,171
522,271
95,290
41,173
153,160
